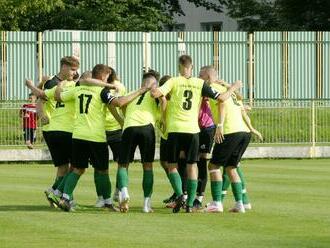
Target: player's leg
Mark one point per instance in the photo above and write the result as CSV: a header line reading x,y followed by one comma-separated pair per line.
x,y
173,149
59,144
126,155
225,185
182,169
147,144
26,135
115,148
100,162
220,155
80,158
244,144
114,140
216,186
240,142
191,150
163,162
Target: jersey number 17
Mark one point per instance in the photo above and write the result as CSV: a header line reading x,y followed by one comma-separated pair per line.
x,y
82,106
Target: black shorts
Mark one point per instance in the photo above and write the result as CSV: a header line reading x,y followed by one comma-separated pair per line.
x,y
84,151
60,146
163,150
142,136
187,142
231,150
29,134
113,140
206,138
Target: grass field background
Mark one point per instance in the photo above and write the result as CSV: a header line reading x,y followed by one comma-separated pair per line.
x,y
290,209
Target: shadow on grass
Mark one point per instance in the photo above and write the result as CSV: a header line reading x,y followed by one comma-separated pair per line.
x,y
30,208
80,209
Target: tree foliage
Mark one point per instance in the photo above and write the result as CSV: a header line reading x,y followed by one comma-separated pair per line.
x,y
307,15
115,15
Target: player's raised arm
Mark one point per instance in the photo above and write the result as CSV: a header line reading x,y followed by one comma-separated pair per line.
x,y
149,82
235,86
35,90
97,82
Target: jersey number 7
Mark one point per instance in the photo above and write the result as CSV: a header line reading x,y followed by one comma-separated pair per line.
x,y
81,103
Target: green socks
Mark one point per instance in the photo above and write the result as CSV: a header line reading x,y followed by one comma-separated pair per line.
x,y
237,191
216,188
71,183
122,177
176,182
147,182
97,184
191,191
103,182
225,185
57,182
245,196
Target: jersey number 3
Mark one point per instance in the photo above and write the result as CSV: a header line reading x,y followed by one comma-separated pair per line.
x,y
187,103
81,103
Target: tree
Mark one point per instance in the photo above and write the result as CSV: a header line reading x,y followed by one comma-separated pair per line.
x,y
290,15
114,15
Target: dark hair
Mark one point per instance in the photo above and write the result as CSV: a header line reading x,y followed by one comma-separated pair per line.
x,y
151,73
113,76
70,61
164,79
99,70
185,60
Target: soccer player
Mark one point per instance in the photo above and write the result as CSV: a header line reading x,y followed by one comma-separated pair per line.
x,y
28,113
138,130
113,127
182,125
206,135
58,134
232,138
89,138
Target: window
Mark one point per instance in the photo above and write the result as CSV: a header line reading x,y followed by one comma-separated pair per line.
x,y
211,26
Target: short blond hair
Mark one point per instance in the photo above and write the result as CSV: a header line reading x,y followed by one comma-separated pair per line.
x,y
71,61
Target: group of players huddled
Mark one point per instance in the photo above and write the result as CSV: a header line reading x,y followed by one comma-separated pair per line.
x,y
84,115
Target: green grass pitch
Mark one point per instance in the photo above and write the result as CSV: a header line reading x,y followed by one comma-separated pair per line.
x,y
291,206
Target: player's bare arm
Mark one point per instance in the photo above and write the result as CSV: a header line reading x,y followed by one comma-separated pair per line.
x,y
223,97
247,121
115,114
35,90
218,136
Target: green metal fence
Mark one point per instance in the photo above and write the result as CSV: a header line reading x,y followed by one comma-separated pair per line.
x,y
305,122
272,65
285,74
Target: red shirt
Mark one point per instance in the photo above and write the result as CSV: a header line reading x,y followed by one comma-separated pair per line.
x,y
29,113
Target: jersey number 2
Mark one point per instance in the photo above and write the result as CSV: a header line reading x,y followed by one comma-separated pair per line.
x,y
187,103
81,103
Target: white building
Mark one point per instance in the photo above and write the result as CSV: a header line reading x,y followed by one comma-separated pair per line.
x,y
201,19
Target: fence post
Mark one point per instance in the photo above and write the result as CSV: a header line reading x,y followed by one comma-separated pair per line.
x,y
312,150
3,65
216,51
250,69
40,56
285,68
